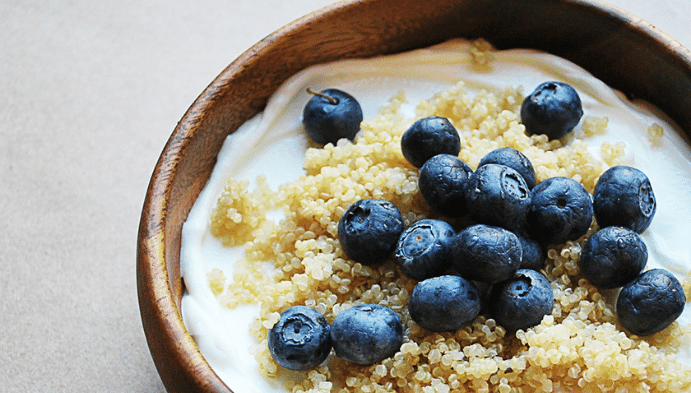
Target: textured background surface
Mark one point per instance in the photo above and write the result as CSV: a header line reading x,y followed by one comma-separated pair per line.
x,y
89,93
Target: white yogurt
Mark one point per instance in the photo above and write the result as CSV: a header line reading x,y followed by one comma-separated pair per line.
x,y
273,144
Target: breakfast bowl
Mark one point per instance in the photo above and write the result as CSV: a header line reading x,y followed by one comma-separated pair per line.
x,y
618,48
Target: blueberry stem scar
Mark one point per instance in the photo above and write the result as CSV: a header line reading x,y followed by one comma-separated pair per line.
x,y
316,93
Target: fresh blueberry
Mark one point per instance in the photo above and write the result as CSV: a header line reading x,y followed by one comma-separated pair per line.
x,y
623,196
424,249
486,253
650,302
553,109
301,339
521,301
330,115
366,333
612,257
498,195
561,209
428,137
369,230
534,253
444,303
514,159
442,182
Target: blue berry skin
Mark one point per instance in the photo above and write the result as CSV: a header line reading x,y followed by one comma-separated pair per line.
x,y
442,182
428,137
514,159
651,302
498,195
553,109
486,253
561,209
326,121
534,253
424,249
444,303
612,257
624,197
521,301
369,230
366,334
301,339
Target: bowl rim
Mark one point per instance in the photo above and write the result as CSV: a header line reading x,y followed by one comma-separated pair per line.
x,y
159,297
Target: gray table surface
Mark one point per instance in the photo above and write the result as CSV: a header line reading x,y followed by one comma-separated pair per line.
x,y
89,93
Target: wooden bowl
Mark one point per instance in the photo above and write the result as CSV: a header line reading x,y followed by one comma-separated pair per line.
x,y
622,50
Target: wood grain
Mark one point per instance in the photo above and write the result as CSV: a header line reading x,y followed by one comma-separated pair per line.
x,y
622,50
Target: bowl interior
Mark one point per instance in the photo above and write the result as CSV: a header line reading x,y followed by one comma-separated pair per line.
x,y
623,51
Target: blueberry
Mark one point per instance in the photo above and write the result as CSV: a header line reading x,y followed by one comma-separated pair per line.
x,y
366,333
424,249
623,196
498,195
301,339
650,302
369,230
486,253
442,183
612,257
330,115
534,253
521,301
513,159
553,109
444,303
561,209
428,137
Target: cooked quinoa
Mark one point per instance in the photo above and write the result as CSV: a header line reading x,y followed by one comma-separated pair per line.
x,y
655,133
579,348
